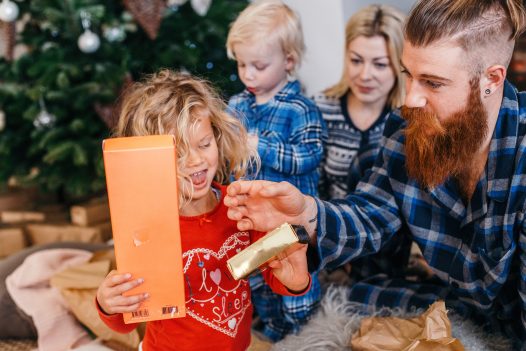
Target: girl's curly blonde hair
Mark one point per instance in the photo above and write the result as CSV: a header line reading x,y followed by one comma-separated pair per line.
x,y
171,103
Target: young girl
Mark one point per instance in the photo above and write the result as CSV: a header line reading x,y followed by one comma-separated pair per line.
x,y
211,147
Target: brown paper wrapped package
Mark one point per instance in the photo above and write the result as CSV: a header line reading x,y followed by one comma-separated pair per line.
x,y
429,332
78,286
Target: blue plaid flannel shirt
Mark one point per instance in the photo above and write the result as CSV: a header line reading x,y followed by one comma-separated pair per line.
x,y
478,251
291,133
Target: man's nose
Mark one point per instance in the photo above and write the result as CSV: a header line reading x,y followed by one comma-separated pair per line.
x,y
414,97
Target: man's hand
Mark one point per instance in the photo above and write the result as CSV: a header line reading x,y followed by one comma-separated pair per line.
x,y
263,205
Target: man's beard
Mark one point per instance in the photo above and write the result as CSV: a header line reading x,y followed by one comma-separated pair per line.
x,y
437,150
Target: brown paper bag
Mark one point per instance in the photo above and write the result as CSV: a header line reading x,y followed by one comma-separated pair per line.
x,y
78,286
429,332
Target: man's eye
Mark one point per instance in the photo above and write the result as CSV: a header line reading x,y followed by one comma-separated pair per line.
x,y
433,85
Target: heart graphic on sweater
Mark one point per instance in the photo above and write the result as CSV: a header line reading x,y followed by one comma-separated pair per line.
x,y
216,276
214,298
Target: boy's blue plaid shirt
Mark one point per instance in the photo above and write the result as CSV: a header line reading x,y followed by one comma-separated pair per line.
x,y
291,133
478,251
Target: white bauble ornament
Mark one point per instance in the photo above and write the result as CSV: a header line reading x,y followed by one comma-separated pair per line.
x,y
44,119
201,6
8,11
2,120
88,42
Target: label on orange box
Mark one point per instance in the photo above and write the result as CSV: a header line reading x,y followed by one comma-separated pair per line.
x,y
141,178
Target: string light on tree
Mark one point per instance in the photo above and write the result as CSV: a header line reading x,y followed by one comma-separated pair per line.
x,y
8,11
44,119
114,33
2,120
88,41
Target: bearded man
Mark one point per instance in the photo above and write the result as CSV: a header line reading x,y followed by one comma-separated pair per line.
x,y
452,168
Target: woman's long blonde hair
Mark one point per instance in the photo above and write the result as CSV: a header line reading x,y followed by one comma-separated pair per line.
x,y
370,21
169,103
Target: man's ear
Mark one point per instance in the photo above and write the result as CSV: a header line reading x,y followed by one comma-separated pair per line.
x,y
493,79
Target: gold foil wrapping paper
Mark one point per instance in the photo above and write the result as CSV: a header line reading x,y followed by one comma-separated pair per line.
x,y
274,245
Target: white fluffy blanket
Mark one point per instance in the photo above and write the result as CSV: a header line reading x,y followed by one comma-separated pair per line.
x,y
332,327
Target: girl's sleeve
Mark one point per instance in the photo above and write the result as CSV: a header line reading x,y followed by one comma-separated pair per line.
x,y
115,321
274,283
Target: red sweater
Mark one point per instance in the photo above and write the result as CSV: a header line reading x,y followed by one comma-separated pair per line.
x,y
218,308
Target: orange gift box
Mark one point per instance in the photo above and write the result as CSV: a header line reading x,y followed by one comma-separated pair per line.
x,y
141,178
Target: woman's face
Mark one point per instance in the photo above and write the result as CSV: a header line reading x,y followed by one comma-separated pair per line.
x,y
369,71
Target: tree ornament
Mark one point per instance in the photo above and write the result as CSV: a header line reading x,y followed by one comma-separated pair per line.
x,y
8,11
2,120
201,6
148,14
44,119
114,33
7,40
88,41
176,2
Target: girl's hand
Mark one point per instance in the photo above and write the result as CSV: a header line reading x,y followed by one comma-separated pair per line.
x,y
109,294
292,270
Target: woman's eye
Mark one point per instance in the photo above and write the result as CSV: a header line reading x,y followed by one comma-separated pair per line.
x,y
381,65
356,61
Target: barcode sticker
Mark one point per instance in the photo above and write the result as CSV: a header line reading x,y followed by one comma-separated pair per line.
x,y
140,314
171,310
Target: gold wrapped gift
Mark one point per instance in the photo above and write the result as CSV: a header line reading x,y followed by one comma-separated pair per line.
x,y
276,244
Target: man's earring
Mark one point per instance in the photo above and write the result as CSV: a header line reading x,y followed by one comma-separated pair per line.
x,y
487,91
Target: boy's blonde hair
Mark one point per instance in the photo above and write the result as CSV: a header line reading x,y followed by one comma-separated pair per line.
x,y
370,21
171,103
264,21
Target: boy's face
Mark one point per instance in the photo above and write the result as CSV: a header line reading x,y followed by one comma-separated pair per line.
x,y
262,68
201,163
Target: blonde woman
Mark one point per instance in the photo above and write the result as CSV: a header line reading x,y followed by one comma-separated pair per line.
x,y
355,108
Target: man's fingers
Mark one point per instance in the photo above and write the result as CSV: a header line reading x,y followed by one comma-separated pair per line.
x,y
245,224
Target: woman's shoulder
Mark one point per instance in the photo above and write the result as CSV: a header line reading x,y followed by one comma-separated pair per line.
x,y
321,99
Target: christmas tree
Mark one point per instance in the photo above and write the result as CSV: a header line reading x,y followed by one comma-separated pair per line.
x,y
56,98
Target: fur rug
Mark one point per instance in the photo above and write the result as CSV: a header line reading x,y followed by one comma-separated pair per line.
x,y
333,325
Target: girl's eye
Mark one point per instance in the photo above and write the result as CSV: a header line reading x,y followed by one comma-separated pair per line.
x,y
204,146
381,65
